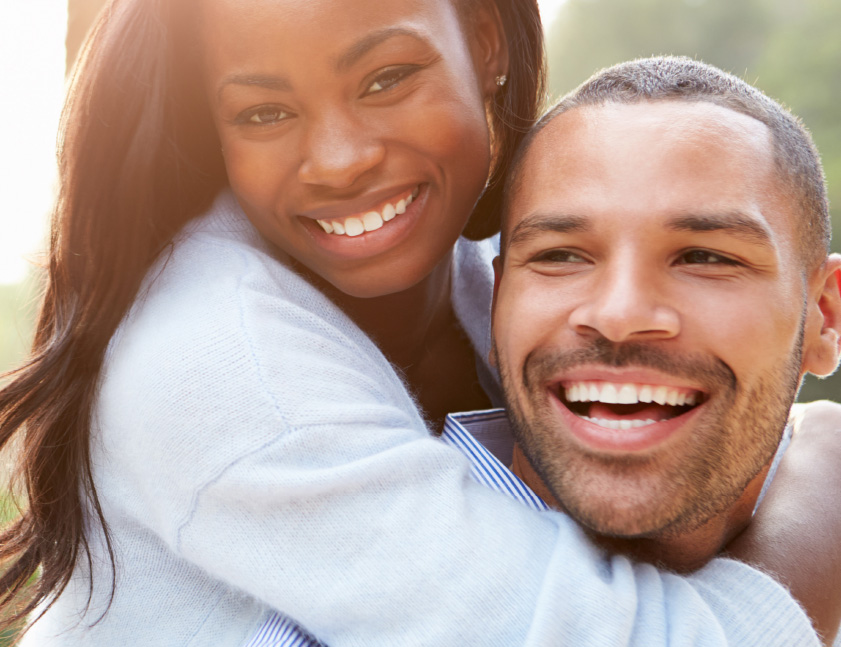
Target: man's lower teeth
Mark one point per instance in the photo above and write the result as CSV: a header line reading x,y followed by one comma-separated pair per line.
x,y
619,424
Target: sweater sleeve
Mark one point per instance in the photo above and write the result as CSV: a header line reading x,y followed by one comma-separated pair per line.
x,y
269,443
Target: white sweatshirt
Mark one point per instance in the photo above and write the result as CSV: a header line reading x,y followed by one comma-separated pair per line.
x,y
255,451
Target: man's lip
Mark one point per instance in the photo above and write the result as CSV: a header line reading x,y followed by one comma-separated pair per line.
x,y
629,375
370,201
638,440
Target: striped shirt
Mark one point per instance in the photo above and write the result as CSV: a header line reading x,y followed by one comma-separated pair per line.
x,y
461,431
492,427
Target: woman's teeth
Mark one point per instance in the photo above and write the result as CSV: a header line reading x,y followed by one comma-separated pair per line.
x,y
615,393
358,225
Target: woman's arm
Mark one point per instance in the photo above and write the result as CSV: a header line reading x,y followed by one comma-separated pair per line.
x,y
268,444
796,533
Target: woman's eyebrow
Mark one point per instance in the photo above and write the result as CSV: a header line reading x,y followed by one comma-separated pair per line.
x,y
369,42
345,61
268,81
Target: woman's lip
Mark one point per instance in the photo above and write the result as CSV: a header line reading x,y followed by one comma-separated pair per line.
x,y
361,205
375,242
596,438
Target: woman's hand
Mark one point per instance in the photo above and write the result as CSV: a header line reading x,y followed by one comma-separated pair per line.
x,y
796,533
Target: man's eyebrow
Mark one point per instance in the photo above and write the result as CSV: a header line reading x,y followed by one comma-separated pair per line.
x,y
736,224
369,42
268,81
537,224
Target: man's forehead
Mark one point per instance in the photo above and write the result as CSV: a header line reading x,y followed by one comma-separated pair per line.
x,y
590,126
690,156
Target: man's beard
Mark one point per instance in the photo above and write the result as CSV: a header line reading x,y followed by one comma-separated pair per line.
x,y
730,443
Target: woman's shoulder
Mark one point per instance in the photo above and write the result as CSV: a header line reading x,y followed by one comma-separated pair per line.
x,y
219,274
227,352
224,326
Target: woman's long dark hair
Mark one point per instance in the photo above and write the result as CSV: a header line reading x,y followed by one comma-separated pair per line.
x,y
516,106
138,158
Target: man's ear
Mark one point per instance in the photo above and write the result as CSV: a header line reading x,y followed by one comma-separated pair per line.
x,y
822,334
497,264
488,46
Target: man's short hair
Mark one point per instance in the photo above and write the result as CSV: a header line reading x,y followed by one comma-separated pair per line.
x,y
671,78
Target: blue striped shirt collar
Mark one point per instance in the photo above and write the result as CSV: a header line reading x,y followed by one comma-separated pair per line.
x,y
485,468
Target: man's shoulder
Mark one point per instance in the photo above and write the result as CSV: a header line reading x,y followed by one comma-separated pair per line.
x,y
485,439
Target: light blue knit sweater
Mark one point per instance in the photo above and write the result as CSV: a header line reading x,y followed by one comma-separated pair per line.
x,y
254,450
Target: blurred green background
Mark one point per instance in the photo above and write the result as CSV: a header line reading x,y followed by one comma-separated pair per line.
x,y
790,49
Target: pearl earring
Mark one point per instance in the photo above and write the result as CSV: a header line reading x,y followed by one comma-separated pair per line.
x,y
501,80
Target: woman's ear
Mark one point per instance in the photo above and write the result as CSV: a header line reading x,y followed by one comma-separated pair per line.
x,y
822,331
488,46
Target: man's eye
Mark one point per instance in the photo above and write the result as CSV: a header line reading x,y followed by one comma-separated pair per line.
x,y
559,256
263,116
389,78
704,257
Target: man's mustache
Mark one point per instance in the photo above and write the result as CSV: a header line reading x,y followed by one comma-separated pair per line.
x,y
709,371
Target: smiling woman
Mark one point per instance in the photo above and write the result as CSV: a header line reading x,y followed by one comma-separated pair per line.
x,y
389,112
225,412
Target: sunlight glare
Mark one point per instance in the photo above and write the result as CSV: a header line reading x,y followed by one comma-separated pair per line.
x,y
32,69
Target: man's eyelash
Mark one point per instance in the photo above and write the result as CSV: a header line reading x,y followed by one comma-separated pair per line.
x,y
719,259
558,256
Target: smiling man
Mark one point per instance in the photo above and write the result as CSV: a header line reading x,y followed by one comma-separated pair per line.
x,y
664,285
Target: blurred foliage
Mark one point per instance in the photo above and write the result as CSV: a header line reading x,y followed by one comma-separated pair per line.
x,y
17,317
790,49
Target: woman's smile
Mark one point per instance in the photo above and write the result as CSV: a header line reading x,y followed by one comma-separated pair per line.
x,y
343,152
372,231
370,220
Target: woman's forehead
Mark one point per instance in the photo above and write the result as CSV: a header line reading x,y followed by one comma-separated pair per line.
x,y
319,22
311,41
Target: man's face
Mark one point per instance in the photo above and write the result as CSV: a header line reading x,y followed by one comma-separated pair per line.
x,y
649,318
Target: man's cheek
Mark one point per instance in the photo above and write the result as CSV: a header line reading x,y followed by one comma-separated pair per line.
x,y
524,325
740,338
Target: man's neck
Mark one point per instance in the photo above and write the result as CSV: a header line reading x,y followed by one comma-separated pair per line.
x,y
681,552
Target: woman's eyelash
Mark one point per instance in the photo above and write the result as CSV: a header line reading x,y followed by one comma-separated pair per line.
x,y
269,114
390,77
262,116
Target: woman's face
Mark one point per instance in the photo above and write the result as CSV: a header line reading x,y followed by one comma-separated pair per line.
x,y
354,131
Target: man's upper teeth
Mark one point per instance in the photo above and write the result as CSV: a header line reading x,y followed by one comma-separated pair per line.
x,y
628,393
357,225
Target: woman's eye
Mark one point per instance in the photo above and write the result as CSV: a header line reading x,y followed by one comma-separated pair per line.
x,y
263,116
389,78
704,257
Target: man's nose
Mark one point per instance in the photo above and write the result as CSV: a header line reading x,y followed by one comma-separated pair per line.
x,y
627,304
338,150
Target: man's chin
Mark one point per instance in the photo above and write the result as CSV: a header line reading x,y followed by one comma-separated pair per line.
x,y
621,519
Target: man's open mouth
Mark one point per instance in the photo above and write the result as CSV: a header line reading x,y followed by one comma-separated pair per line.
x,y
627,405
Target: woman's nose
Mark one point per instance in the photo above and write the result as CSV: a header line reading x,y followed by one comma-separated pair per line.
x,y
338,150
626,305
